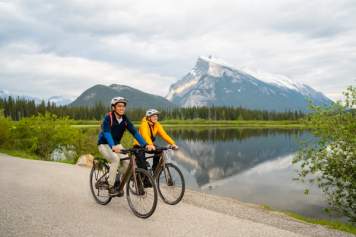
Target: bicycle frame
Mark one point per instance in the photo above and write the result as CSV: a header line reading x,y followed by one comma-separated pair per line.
x,y
133,177
130,170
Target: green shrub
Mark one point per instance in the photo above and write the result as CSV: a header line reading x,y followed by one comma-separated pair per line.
x,y
87,143
42,134
5,126
332,162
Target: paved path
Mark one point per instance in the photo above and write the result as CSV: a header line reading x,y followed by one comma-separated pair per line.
x,y
40,198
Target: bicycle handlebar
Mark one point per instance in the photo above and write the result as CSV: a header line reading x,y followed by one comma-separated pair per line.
x,y
134,149
138,149
163,148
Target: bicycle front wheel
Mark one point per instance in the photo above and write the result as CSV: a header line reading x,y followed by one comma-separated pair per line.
x,y
142,195
171,184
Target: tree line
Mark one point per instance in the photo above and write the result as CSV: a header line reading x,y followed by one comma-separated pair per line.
x,y
17,108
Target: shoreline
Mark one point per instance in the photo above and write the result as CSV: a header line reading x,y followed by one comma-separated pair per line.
x,y
283,124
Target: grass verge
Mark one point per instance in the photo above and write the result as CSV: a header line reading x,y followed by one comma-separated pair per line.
x,y
328,223
332,224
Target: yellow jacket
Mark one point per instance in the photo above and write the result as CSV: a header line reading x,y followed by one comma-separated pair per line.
x,y
156,129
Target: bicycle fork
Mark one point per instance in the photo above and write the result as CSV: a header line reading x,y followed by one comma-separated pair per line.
x,y
162,165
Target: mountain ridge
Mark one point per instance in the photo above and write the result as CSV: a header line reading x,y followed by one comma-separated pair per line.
x,y
103,94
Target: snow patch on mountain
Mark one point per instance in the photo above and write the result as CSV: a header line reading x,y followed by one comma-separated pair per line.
x,y
182,88
4,94
217,61
275,79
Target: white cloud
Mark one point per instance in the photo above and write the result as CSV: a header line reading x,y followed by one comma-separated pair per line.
x,y
45,75
309,41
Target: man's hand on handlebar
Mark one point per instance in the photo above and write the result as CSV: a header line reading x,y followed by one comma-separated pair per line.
x,y
150,147
116,149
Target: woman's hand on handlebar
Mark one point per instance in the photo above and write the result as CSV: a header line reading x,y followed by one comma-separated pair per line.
x,y
150,147
174,147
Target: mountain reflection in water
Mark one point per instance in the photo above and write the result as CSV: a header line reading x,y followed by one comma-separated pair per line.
x,y
214,154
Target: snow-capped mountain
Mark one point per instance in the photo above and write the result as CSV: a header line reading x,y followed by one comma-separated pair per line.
x,y
60,100
215,82
5,94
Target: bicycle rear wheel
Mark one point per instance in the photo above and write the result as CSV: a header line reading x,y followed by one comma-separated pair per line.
x,y
98,179
171,184
142,200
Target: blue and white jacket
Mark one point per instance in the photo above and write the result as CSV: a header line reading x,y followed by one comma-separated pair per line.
x,y
112,131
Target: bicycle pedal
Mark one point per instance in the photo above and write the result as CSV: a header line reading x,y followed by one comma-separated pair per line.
x,y
119,194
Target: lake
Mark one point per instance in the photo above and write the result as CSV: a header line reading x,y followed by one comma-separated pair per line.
x,y
251,165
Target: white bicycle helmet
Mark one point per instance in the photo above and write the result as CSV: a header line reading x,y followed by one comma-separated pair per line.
x,y
151,112
118,99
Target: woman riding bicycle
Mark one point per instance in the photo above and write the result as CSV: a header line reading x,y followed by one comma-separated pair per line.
x,y
113,126
149,129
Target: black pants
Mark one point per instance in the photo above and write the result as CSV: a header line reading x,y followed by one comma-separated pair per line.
x,y
141,159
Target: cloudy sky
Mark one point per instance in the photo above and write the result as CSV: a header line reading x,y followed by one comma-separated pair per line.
x,y
64,47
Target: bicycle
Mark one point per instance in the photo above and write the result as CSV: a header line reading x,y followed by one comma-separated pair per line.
x,y
133,178
169,178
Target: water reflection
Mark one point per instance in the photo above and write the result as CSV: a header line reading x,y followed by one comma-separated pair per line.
x,y
253,165
214,154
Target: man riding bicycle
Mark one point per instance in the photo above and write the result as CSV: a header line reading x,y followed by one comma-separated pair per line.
x,y
149,129
113,126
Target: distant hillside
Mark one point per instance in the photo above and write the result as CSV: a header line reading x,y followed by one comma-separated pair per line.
x,y
136,98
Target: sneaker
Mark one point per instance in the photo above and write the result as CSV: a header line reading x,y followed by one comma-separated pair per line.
x,y
114,192
121,193
117,181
